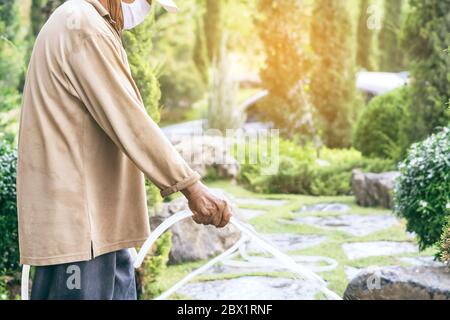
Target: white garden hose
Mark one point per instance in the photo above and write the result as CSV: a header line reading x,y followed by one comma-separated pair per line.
x,y
248,234
25,282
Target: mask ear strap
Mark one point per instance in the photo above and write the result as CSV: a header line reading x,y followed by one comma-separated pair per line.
x,y
115,13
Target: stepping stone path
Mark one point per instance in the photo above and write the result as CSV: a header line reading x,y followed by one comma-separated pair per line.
x,y
421,261
250,288
351,272
289,242
359,250
261,202
355,225
231,269
326,207
248,214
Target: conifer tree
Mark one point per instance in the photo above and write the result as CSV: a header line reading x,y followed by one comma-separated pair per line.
x,y
366,36
392,57
333,89
426,39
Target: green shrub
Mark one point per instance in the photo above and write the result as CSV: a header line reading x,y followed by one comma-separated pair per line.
x,y
9,247
154,266
4,294
380,128
422,193
303,171
445,243
9,125
138,45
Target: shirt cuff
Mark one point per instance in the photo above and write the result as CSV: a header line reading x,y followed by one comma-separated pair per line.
x,y
195,177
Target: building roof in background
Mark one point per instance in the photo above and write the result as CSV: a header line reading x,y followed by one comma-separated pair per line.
x,y
377,83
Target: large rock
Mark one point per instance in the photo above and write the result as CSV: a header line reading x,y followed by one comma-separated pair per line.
x,y
400,283
374,189
206,154
190,241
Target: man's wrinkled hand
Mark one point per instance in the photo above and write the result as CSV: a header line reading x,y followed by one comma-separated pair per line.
x,y
207,208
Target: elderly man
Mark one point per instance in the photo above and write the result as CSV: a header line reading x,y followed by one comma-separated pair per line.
x,y
85,144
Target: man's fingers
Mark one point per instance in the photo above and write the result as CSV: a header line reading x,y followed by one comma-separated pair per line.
x,y
217,217
226,216
199,219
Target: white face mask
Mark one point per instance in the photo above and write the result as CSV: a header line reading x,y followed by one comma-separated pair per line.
x,y
135,13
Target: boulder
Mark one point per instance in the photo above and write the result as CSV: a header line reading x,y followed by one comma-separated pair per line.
x,y
192,242
207,155
400,283
374,189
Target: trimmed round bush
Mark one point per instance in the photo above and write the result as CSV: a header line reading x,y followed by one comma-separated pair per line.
x,y
9,247
380,128
422,192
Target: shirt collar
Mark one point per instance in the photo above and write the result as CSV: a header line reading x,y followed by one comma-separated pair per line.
x,y
99,7
104,13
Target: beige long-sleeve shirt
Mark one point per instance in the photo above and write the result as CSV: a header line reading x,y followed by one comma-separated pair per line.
x,y
85,144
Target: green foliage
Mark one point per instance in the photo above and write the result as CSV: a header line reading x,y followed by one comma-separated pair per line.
x,y
445,243
422,193
138,45
9,125
366,37
154,267
174,37
380,129
303,171
11,55
154,198
9,17
392,56
333,89
426,36
286,67
9,247
41,11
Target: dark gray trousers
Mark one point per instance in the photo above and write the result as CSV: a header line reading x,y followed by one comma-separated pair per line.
x,y
107,277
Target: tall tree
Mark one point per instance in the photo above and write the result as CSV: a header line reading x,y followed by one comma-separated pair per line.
x,y
366,37
392,57
200,53
333,91
138,45
209,34
287,66
214,25
426,38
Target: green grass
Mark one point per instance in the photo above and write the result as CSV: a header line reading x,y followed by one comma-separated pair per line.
x,y
276,220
